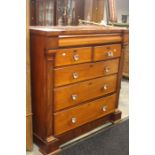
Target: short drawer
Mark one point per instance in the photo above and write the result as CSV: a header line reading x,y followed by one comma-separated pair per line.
x,y
69,119
107,52
72,56
76,93
72,74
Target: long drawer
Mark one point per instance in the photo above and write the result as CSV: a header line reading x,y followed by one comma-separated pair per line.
x,y
72,56
72,74
107,52
68,119
76,93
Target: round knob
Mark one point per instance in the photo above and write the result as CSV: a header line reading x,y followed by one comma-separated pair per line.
x,y
105,87
75,75
107,69
74,97
76,57
63,54
74,120
115,50
110,54
104,108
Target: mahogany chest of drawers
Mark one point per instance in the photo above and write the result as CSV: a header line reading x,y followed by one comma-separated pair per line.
x,y
75,74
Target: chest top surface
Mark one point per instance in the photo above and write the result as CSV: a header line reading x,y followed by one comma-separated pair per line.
x,y
70,30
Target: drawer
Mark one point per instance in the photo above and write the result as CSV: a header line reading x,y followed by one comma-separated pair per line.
x,y
69,119
72,56
72,74
76,93
107,52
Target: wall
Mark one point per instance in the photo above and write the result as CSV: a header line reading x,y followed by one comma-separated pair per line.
x,y
122,7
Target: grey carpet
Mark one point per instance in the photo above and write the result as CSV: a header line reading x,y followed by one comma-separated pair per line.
x,y
111,141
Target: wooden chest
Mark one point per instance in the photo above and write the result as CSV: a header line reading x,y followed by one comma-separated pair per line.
x,y
75,74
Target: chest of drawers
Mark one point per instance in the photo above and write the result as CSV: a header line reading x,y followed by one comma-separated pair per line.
x,y
75,74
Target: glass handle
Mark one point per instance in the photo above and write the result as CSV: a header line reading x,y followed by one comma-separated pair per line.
x,y
110,54
74,120
76,57
74,97
104,108
75,75
107,69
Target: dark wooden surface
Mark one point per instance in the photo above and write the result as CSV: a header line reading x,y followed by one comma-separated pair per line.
x,y
82,10
40,7
79,11
47,97
98,10
38,68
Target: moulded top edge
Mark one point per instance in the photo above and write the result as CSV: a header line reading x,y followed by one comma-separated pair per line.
x,y
67,30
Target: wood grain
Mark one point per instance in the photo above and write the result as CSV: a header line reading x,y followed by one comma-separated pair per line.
x,y
29,139
126,61
101,52
76,73
38,84
28,82
83,114
76,30
126,37
50,98
98,10
126,54
67,56
65,42
29,134
112,11
84,91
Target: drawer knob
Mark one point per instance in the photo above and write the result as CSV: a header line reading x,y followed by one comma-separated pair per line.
x,y
110,54
76,57
107,69
105,87
74,97
104,108
74,120
75,75
63,54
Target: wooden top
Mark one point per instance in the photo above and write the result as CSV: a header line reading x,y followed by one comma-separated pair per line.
x,y
69,30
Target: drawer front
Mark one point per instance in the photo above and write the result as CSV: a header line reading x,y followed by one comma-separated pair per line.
x,y
74,117
76,93
72,74
73,56
107,52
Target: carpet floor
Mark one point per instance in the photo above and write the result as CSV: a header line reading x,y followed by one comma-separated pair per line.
x,y
113,140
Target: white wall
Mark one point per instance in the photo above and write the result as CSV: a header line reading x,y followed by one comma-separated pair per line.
x,y
122,7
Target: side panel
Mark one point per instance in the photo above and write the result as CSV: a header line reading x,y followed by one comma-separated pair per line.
x,y
38,83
